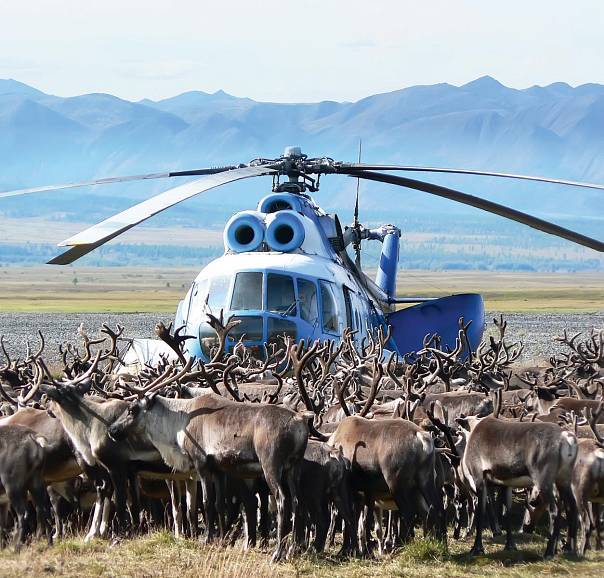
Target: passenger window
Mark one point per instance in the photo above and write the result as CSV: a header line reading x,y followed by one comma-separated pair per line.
x,y
329,311
247,293
219,290
348,304
307,297
280,295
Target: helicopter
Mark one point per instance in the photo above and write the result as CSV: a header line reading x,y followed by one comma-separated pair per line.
x,y
286,270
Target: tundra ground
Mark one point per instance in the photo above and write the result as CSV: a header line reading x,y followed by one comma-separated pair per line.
x,y
139,289
160,555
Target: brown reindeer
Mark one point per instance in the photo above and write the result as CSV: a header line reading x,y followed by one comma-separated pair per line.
x,y
210,434
21,471
521,454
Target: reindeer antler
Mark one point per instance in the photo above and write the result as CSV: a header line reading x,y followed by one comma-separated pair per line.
x,y
173,341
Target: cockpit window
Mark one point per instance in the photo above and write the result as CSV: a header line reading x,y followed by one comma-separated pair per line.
x,y
250,329
307,297
280,327
219,290
329,311
247,294
280,295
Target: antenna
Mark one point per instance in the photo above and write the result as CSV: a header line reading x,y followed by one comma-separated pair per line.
x,y
356,244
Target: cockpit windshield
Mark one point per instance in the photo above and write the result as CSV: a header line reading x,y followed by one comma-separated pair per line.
x,y
218,293
307,296
280,295
268,306
247,293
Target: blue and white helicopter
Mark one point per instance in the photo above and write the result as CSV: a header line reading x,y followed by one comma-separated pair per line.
x,y
286,269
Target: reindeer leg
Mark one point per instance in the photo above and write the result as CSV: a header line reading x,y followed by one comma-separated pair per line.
x,y
93,531
3,525
585,521
191,495
322,518
378,518
335,522
119,477
369,522
571,509
598,523
273,475
509,539
479,516
250,509
265,520
103,490
42,502
492,511
55,500
555,513
221,506
292,475
343,501
135,501
17,500
174,490
105,517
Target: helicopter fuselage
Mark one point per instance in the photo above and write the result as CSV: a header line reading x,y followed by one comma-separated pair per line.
x,y
307,290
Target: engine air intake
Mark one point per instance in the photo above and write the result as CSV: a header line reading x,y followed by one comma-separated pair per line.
x,y
286,232
279,202
244,232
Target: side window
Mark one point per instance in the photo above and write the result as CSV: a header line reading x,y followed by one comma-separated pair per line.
x,y
307,298
329,310
200,293
219,290
280,296
350,321
186,303
247,293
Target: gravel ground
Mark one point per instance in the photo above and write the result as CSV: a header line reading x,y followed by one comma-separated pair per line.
x,y
535,330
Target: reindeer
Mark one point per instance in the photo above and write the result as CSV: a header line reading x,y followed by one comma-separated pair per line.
x,y
86,420
210,434
588,480
21,465
325,480
520,455
392,460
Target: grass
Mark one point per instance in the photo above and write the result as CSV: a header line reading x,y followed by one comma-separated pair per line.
x,y
160,555
133,289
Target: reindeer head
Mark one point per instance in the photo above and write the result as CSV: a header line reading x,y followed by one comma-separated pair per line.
x,y
130,420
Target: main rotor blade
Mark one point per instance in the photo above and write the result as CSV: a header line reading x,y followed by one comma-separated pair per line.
x,y
110,228
360,166
483,204
108,180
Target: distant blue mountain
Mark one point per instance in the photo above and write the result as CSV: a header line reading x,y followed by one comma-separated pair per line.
x,y
554,130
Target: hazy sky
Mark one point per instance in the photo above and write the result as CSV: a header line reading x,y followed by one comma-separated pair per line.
x,y
306,50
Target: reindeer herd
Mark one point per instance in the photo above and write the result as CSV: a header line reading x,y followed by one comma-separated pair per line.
x,y
305,445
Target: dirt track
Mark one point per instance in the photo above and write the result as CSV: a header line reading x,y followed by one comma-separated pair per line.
x,y
536,330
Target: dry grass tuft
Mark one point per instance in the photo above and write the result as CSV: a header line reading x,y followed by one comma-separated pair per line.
x,y
161,555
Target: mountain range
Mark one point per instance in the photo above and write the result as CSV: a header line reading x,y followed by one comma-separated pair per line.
x,y
555,130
